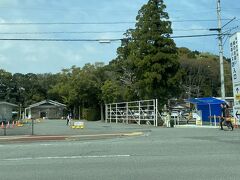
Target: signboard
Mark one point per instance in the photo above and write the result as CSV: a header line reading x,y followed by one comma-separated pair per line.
x,y
236,113
236,93
199,122
235,66
78,123
235,61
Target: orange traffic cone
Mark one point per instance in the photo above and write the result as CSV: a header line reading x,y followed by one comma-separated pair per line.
x,y
8,125
2,125
13,124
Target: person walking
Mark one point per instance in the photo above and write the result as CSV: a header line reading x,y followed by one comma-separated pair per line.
x,y
68,119
228,117
223,115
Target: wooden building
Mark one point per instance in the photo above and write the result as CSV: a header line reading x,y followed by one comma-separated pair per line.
x,y
46,109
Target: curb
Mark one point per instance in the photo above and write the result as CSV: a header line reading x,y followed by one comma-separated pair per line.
x,y
28,138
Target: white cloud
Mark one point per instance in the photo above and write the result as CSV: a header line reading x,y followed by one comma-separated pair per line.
x,y
37,57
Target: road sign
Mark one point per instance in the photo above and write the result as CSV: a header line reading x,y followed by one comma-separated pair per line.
x,y
236,113
235,70
235,66
236,93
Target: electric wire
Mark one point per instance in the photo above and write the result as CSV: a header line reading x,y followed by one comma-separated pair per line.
x,y
102,23
94,40
85,32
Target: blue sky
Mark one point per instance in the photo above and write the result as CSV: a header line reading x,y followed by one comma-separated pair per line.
x,y
45,57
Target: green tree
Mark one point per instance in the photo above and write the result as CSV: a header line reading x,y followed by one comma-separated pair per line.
x,y
111,92
201,74
79,87
6,86
63,90
147,58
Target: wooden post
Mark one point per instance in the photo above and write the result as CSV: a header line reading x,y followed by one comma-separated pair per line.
x,y
102,118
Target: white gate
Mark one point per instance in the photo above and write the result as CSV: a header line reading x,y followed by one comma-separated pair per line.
x,y
140,112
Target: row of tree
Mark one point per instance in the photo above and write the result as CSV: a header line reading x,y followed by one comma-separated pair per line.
x,y
148,65
93,85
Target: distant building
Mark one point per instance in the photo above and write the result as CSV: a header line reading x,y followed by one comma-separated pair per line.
x,y
6,110
45,109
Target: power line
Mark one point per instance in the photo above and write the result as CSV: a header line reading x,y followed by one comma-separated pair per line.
x,y
94,40
87,32
197,29
64,23
64,32
51,39
96,23
199,20
192,36
94,9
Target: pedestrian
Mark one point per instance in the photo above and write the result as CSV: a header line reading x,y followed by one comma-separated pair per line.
x,y
223,115
228,117
68,119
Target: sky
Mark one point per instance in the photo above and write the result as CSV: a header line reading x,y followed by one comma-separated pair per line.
x,y
96,19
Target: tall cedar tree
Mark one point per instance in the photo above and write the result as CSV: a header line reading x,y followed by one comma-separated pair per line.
x,y
149,55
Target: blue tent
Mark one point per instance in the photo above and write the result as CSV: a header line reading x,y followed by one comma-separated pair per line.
x,y
209,106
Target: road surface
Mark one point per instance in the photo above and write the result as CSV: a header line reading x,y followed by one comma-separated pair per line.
x,y
161,153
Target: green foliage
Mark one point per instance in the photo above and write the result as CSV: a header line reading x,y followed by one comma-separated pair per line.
x,y
148,65
24,89
201,74
111,92
91,114
147,59
6,86
79,87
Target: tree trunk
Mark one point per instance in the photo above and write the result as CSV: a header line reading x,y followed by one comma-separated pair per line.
x,y
102,118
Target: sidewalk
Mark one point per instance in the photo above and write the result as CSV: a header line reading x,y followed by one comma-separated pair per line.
x,y
54,130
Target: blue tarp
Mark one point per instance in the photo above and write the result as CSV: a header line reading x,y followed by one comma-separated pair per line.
x,y
209,106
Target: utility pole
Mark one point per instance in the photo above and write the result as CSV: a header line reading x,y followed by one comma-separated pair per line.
x,y
220,44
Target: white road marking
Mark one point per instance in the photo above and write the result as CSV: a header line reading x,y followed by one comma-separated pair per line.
x,y
45,144
65,157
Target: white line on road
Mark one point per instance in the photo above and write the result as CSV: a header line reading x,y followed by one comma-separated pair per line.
x,y
64,157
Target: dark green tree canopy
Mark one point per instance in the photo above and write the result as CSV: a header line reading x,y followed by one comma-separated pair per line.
x,y
148,57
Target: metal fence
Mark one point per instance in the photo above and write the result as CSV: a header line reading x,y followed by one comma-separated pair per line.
x,y
13,128
140,112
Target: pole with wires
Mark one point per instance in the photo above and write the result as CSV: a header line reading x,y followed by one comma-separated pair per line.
x,y
220,44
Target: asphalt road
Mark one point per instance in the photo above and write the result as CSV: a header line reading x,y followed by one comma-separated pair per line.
x,y
161,153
